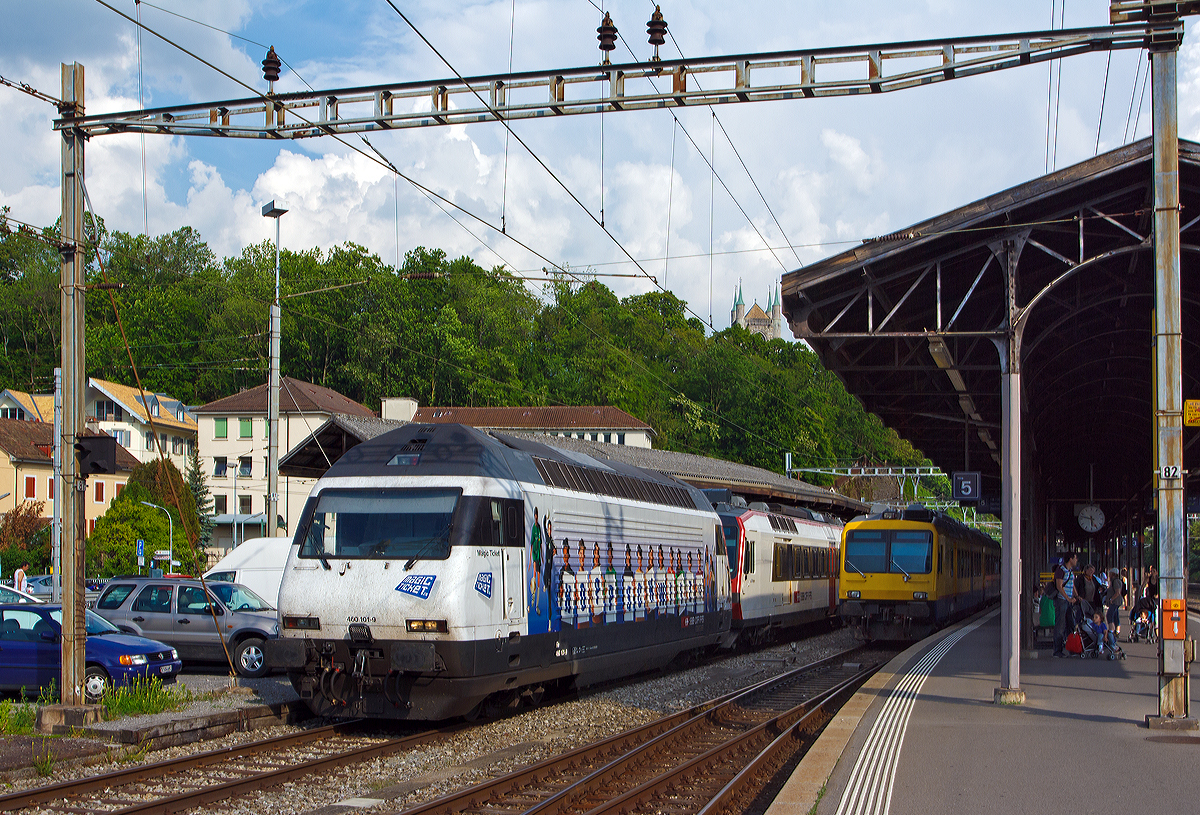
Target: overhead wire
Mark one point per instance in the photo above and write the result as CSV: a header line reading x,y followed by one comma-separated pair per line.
x,y
512,33
1058,89
442,198
670,197
142,106
574,197
1133,97
1141,99
736,152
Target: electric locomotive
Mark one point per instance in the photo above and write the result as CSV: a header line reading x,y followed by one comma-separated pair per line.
x,y
783,563
439,571
906,573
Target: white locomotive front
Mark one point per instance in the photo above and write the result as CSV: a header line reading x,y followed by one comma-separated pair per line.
x,y
438,569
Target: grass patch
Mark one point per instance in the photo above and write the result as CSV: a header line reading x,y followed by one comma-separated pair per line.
x,y
17,718
43,760
144,696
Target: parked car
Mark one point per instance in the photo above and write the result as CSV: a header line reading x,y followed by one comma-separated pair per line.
x,y
41,586
11,595
257,563
31,652
175,611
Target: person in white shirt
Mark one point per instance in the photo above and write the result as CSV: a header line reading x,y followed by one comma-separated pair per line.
x,y
20,580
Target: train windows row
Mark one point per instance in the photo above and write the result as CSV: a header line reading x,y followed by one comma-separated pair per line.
x,y
588,479
799,563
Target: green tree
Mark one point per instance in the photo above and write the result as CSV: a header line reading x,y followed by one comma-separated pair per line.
x,y
201,497
112,546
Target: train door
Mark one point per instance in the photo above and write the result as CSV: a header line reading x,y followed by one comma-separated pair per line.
x,y
513,572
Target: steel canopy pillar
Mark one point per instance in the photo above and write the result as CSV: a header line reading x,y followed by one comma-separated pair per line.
x,y
1173,681
72,292
1010,691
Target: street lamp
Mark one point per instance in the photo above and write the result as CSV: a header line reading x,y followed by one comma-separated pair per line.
x,y
170,534
269,210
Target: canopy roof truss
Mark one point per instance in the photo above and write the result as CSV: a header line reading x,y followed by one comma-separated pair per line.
x,y
912,323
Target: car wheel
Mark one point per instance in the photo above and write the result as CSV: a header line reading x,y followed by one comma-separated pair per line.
x,y
95,683
249,658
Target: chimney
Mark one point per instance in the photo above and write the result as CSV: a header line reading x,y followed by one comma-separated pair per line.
x,y
398,408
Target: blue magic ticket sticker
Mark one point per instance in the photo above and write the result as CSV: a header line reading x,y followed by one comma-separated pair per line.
x,y
418,585
483,584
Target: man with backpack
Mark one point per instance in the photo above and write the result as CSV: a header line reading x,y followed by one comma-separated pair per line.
x,y
1064,601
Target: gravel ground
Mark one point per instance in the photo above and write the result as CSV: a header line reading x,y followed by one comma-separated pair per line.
x,y
490,749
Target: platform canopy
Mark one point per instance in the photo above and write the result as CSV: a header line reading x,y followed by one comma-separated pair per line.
x,y
909,322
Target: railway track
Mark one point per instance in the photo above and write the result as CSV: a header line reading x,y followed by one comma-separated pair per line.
x,y
179,784
692,750
713,758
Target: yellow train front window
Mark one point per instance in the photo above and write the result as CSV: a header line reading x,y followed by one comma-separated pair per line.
x,y
912,551
866,550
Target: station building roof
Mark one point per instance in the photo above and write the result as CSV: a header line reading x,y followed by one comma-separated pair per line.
x,y
908,323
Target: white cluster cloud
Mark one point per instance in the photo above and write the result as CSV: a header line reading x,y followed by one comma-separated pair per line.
x,y
833,171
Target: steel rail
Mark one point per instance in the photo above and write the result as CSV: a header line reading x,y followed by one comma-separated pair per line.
x,y
610,754
772,730
214,758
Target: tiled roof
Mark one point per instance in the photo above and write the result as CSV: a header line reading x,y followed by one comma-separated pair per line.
x,y
34,442
131,399
756,313
534,418
38,407
294,397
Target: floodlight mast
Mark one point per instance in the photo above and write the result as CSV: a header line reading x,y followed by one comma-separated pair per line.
x,y
1151,24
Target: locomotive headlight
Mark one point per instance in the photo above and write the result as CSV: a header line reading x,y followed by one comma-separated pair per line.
x,y
303,623
854,595
426,626
920,595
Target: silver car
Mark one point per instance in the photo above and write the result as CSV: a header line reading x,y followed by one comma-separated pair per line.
x,y
175,611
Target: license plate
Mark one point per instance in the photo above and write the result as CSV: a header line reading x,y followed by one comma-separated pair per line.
x,y
165,669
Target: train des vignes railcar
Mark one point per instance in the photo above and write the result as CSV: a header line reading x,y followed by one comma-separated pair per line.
x,y
906,573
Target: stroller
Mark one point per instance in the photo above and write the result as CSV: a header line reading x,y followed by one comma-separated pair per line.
x,y
1093,644
1143,628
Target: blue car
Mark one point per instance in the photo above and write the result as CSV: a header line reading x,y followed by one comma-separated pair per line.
x,y
31,652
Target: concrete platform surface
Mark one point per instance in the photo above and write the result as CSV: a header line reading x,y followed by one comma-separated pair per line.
x,y
931,739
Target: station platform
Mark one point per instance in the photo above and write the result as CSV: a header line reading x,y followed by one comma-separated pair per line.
x,y
923,735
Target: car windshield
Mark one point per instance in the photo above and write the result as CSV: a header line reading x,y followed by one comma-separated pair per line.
x,y
96,625
239,598
381,524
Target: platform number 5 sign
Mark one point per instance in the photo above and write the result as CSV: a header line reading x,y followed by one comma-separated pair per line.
x,y
965,486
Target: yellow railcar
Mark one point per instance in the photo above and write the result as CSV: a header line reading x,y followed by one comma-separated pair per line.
x,y
906,573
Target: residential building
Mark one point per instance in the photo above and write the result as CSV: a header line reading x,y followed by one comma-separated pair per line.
x,y
27,470
142,426
26,407
233,445
145,427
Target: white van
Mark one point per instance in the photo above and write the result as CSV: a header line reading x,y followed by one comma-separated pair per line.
x,y
257,564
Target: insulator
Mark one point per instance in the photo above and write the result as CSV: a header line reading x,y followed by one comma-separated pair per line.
x,y
271,66
656,27
607,34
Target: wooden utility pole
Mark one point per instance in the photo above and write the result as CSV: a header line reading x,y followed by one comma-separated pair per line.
x,y
72,292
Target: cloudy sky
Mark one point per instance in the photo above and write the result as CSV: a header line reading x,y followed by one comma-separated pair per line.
x,y
833,171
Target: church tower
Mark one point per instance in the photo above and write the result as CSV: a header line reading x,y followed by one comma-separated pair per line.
x,y
777,314
737,316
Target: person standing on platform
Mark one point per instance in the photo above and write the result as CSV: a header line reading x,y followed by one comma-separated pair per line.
x,y
1088,588
1114,599
1064,601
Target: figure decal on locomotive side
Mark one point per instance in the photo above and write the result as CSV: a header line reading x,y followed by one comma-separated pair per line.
x,y
609,583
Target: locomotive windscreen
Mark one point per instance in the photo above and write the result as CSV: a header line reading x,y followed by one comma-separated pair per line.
x,y
381,524
899,551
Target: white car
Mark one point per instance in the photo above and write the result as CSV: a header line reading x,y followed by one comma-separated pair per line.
x,y
11,595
